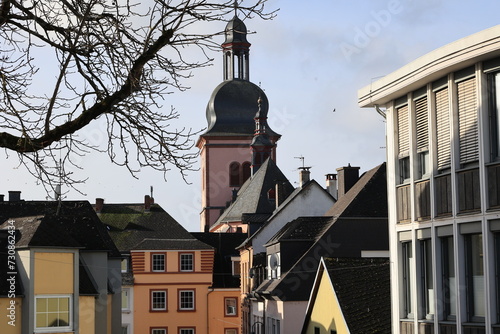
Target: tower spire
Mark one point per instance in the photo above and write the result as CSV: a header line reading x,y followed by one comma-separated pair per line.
x,y
261,145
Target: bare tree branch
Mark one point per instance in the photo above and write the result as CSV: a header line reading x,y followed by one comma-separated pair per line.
x,y
114,60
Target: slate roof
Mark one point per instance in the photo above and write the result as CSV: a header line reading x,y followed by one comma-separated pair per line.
x,y
350,226
362,286
71,224
225,247
253,194
367,198
289,199
133,227
303,229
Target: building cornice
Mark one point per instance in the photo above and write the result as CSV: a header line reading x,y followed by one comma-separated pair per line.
x,y
432,66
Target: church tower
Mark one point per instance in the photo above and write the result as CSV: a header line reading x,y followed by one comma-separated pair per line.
x,y
234,107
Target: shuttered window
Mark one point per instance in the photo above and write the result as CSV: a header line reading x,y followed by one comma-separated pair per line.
x,y
422,124
443,129
403,131
467,120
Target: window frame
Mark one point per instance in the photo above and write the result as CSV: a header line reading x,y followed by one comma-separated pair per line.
x,y
127,298
69,327
427,283
191,254
192,330
226,313
449,295
406,279
153,255
153,329
180,300
470,267
230,330
152,297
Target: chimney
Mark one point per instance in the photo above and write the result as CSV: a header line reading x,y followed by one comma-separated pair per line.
x,y
347,177
14,196
1,197
331,184
304,174
147,203
99,203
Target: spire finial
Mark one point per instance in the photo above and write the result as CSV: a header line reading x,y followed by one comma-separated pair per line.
x,y
235,7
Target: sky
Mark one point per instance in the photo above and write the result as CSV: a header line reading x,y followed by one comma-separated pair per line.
x,y
310,60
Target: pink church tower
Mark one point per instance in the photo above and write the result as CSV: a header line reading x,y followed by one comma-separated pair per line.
x,y
225,147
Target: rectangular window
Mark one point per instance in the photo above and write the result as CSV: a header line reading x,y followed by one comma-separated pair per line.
x,y
422,135
235,261
443,138
230,331
426,280
494,104
186,300
467,121
158,262
407,278
159,300
404,170
230,306
158,331
53,312
186,330
124,265
403,143
475,277
126,300
449,281
186,262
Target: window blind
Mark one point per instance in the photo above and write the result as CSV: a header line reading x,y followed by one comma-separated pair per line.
x,y
422,124
443,129
403,131
467,120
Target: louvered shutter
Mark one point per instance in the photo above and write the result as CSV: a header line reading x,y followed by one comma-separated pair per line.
x,y
403,131
422,124
443,129
467,120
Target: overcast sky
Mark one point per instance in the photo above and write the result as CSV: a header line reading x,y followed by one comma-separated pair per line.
x,y
310,60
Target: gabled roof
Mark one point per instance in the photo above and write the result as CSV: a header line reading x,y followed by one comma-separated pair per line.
x,y
302,229
72,224
253,195
306,188
225,247
362,287
133,227
349,217
367,198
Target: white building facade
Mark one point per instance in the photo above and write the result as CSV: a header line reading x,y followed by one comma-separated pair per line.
x,y
443,168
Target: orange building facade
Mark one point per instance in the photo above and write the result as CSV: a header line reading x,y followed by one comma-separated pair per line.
x,y
170,289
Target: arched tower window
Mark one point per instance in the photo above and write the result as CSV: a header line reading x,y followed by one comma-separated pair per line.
x,y
234,174
245,171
